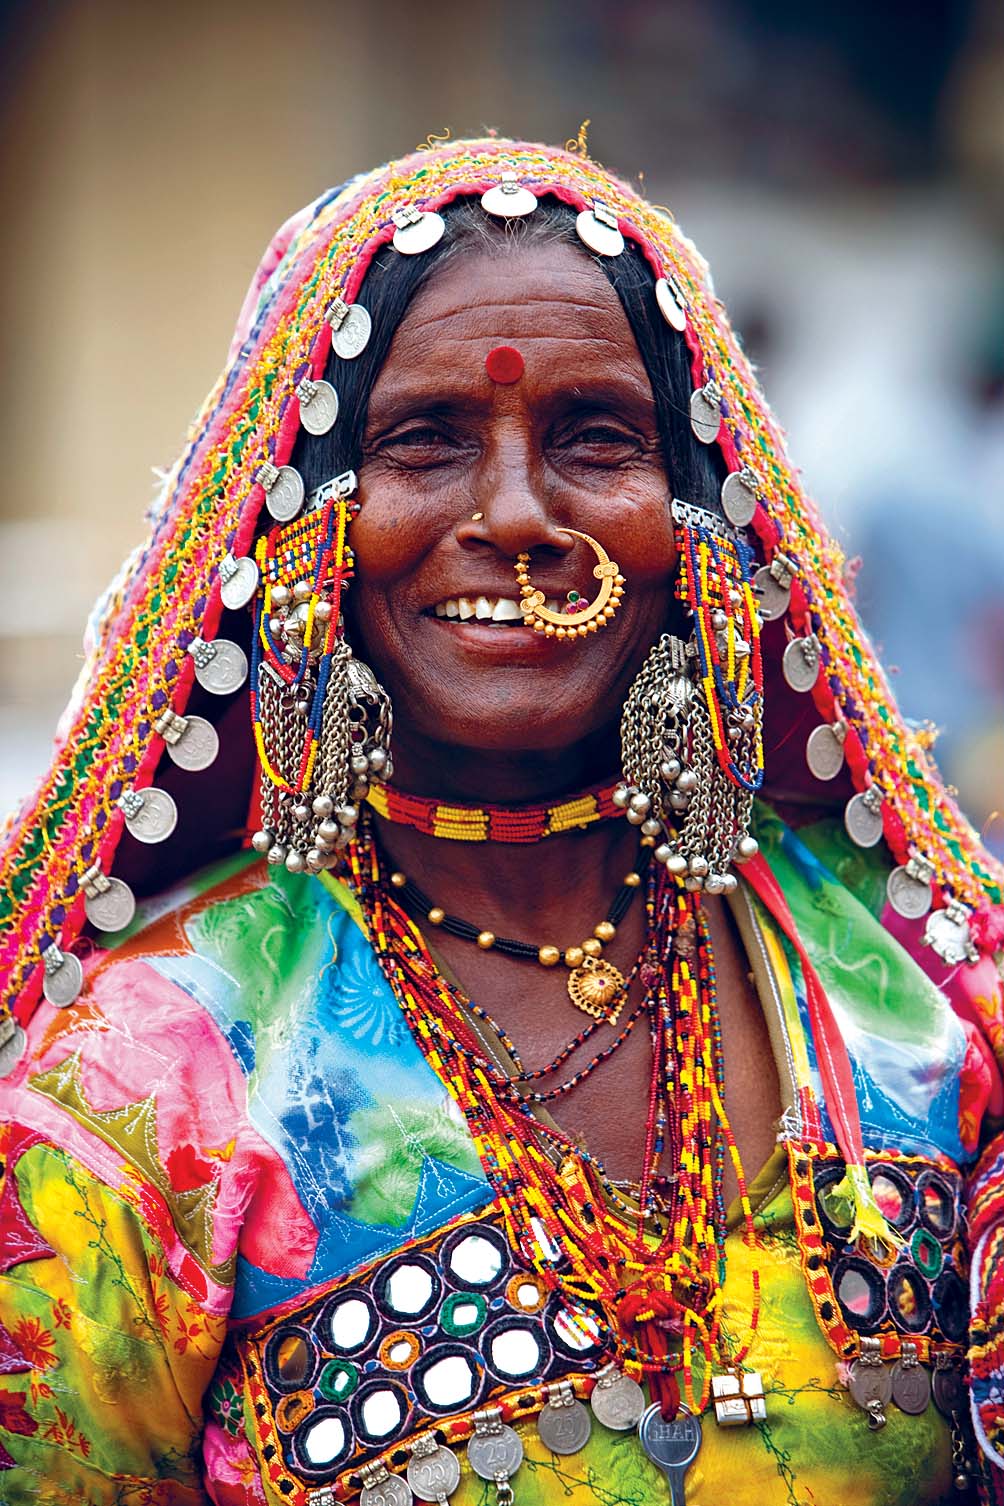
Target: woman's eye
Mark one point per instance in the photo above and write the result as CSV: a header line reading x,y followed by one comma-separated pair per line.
x,y
604,440
424,444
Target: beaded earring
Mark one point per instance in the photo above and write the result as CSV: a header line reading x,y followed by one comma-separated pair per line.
x,y
692,728
322,721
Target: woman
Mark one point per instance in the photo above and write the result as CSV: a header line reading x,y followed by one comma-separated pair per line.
x,y
409,1162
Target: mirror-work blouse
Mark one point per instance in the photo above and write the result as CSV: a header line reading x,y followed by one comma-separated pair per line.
x,y
247,1247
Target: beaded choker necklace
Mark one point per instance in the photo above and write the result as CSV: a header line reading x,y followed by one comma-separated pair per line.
x,y
493,823
647,1288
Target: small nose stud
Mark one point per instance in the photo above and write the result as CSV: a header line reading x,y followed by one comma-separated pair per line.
x,y
477,517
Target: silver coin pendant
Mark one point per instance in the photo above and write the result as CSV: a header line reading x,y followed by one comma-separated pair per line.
x,y
800,663
869,1384
63,985
284,497
605,240
564,1427
863,821
739,499
420,234
352,336
113,908
824,752
223,671
155,819
618,1403
508,201
911,1387
197,746
240,584
435,1474
949,1390
908,896
949,939
318,415
390,1491
772,599
669,308
494,1452
705,417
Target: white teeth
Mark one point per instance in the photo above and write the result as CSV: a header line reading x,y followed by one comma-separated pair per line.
x,y
506,610
552,604
466,608
440,608
452,610
483,608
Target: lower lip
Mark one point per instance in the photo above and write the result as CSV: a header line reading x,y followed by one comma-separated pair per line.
x,y
503,643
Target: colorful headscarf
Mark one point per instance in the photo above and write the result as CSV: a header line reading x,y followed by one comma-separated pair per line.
x,y
166,603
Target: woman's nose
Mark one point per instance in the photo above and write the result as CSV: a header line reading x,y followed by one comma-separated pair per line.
x,y
510,504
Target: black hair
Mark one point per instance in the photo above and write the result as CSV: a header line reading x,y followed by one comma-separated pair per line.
x,y
695,471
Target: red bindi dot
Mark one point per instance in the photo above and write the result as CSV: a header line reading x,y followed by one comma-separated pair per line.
x,y
504,364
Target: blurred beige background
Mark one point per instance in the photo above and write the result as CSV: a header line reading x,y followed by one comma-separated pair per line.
x,y
842,171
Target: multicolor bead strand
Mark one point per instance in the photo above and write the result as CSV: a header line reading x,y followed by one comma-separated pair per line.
x,y
713,581
494,823
550,1192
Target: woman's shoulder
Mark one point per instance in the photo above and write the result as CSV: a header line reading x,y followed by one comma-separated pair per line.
x,y
145,1082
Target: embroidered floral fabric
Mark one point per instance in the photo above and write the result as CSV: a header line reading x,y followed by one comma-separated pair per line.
x,y
218,1165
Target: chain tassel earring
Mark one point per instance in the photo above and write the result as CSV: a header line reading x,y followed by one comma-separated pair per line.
x,y
692,729
322,721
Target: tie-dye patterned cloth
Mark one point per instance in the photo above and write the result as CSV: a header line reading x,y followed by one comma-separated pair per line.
x,y
234,1127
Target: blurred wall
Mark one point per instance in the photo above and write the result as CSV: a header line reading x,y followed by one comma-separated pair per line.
x,y
849,201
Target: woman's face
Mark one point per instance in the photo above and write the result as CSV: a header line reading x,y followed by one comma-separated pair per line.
x,y
572,443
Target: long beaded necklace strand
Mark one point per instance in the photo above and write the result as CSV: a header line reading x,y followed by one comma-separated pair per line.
x,y
643,1290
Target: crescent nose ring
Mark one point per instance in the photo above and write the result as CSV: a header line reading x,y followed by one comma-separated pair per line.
x,y
577,618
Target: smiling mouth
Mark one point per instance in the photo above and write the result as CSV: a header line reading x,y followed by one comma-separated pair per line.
x,y
490,611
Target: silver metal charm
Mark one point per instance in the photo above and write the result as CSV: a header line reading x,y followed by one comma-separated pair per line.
x,y
194,744
863,817
64,976
433,1471
740,491
381,1488
495,1452
221,666
673,1446
870,1383
738,1398
824,750
238,581
150,815
800,663
508,199
318,405
12,1045
417,230
597,228
908,888
706,412
911,1384
617,1400
947,934
339,486
351,327
669,307
109,903
948,1386
283,490
772,585
564,1425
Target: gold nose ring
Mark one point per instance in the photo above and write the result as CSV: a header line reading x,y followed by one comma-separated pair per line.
x,y
576,619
